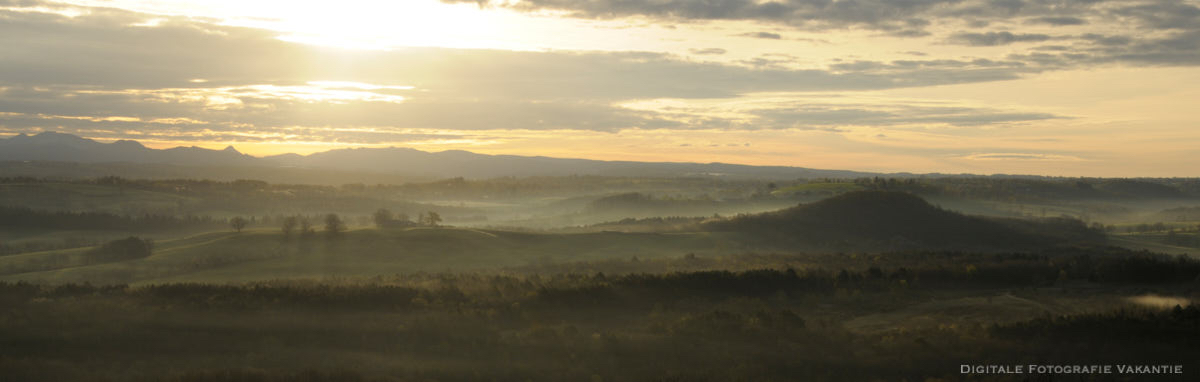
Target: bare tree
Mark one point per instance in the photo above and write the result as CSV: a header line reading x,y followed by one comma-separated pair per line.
x,y
289,225
306,228
238,223
432,218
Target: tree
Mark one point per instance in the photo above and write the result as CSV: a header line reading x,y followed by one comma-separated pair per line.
x,y
119,250
289,225
334,224
238,223
305,227
432,219
382,217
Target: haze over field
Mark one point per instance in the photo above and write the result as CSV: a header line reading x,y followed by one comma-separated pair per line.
x,y
599,190
1076,88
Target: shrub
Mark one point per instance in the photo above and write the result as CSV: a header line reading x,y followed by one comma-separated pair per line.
x,y
118,250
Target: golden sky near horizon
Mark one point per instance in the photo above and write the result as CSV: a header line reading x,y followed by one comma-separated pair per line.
x,y
1065,87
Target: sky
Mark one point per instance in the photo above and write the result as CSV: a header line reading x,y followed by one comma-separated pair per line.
x,y
1058,87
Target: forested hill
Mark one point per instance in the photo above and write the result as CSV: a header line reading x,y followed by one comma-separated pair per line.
x,y
888,220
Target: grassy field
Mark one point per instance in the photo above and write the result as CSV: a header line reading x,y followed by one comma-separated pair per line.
x,y
90,197
816,324
258,255
1153,243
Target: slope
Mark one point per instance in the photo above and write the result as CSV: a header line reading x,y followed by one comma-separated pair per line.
x,y
883,220
265,255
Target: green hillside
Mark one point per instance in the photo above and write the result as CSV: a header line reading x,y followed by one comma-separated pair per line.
x,y
887,220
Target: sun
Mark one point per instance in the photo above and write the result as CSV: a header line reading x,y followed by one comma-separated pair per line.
x,y
382,24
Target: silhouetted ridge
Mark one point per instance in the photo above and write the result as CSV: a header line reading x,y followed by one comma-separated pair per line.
x,y
886,220
61,147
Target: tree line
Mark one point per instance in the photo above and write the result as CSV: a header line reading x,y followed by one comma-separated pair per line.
x,y
21,218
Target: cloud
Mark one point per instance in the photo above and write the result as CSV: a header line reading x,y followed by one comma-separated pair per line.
x,y
99,51
814,14
762,35
1022,157
809,112
1164,14
1107,40
707,51
1162,30
166,108
143,80
371,136
1056,20
1174,48
892,115
899,18
995,38
23,3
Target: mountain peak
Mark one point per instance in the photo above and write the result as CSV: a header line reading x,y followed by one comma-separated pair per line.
x,y
128,143
54,136
50,138
230,149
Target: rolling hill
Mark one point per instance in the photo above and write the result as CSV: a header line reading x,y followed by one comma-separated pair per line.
x,y
266,255
856,221
884,220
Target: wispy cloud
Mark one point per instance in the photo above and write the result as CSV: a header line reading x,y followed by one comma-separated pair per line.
x,y
1022,157
763,35
708,51
996,38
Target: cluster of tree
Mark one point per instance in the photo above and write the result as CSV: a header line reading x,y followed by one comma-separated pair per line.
x,y
1017,188
129,248
1174,237
923,270
1147,227
20,218
199,197
333,226
12,248
1178,325
1186,236
717,325
1038,188
384,218
653,224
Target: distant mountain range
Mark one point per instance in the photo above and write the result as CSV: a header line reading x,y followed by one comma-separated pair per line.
x,y
60,147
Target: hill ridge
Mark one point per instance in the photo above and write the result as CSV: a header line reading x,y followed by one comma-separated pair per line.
x,y
63,147
896,221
